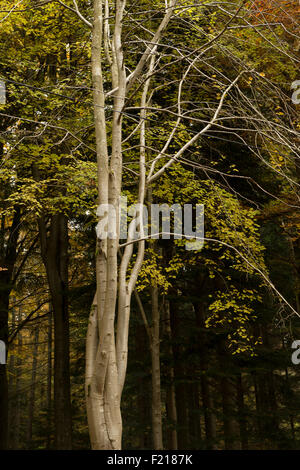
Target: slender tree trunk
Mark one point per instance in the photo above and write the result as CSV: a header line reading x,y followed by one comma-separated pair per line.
x,y
259,413
155,359
273,410
107,348
180,379
288,394
170,393
103,381
228,393
4,302
11,384
3,403
8,255
32,389
242,413
55,257
267,408
144,393
49,381
230,428
194,416
58,281
16,435
209,415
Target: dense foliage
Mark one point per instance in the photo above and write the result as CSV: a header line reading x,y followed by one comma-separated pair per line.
x,y
228,313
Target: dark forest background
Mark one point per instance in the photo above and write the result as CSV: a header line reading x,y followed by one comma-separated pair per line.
x,y
223,335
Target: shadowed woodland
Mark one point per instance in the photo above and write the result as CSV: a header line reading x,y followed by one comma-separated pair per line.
x,y
143,344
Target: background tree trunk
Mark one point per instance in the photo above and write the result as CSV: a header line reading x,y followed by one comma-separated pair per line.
x,y
228,393
4,303
8,256
11,385
155,359
172,441
55,257
207,401
180,384
32,388
16,434
242,412
49,381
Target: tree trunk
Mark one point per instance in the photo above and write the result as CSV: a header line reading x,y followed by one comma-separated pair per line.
x,y
266,402
8,255
155,360
228,393
143,393
107,348
16,435
180,385
194,416
55,257
242,413
32,389
230,427
209,415
11,383
259,413
49,381
170,393
4,303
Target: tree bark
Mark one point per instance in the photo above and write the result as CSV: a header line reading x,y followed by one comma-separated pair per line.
x,y
8,255
4,303
170,393
209,415
11,383
180,379
155,360
49,381
16,434
32,389
144,390
107,348
55,256
194,416
242,413
228,393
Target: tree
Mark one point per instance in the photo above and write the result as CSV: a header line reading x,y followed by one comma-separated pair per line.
x,y
107,349
192,104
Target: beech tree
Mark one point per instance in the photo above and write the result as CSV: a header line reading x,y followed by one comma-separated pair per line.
x,y
107,340
184,111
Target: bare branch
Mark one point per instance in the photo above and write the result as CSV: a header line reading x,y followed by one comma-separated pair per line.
x,y
76,10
